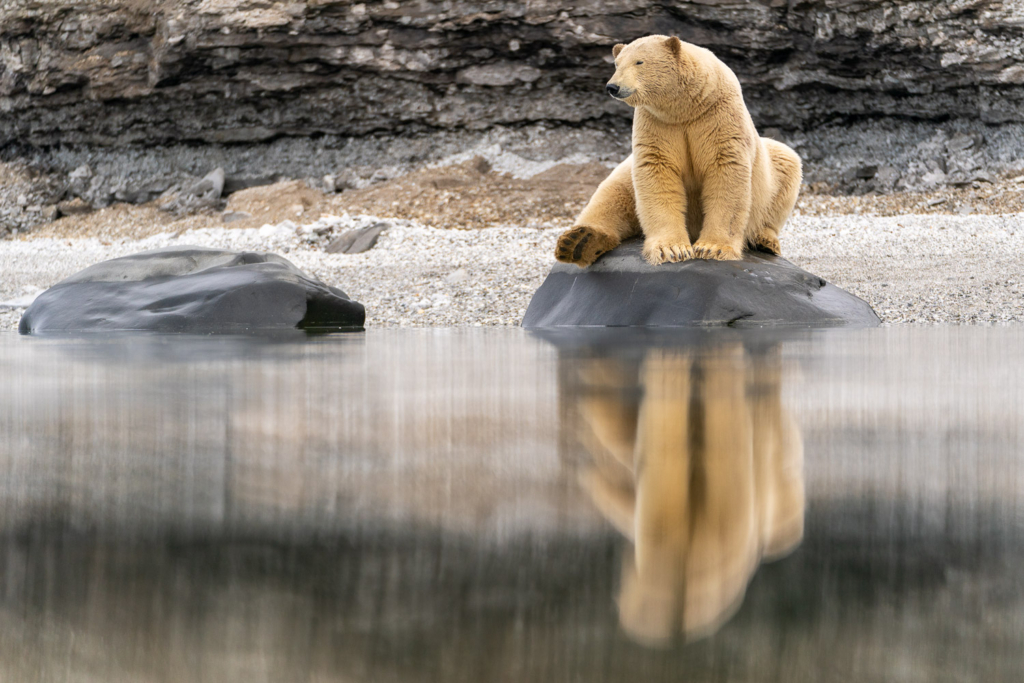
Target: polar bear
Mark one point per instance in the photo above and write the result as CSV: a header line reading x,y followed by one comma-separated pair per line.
x,y
700,181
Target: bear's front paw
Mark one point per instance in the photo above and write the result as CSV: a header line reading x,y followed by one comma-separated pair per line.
x,y
662,251
583,246
716,252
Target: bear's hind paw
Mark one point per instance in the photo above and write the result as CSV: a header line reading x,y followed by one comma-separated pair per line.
x,y
582,246
767,244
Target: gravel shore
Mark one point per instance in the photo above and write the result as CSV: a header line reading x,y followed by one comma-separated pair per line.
x,y
911,269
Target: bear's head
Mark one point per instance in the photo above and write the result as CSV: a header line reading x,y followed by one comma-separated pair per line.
x,y
655,72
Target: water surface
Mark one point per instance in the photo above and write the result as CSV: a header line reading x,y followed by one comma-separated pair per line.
x,y
470,505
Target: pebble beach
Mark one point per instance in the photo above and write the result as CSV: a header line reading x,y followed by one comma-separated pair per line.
x,y
919,269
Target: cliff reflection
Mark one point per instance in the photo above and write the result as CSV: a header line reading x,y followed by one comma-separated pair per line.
x,y
693,458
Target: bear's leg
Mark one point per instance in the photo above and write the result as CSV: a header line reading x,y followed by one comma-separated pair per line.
x,y
778,460
726,197
652,591
661,207
723,549
609,218
784,165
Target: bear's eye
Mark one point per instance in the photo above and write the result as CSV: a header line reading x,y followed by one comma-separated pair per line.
x,y
639,62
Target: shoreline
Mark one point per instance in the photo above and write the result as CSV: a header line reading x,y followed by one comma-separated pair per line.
x,y
930,269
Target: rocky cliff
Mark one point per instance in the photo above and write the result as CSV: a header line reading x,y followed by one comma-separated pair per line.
x,y
123,71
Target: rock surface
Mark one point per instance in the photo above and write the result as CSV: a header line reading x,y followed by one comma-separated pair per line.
x,y
122,71
623,290
356,241
194,290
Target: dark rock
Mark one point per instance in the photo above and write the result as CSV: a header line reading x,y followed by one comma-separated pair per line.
x,y
356,241
194,290
623,290
117,73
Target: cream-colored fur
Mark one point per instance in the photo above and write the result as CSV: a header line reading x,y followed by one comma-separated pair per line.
x,y
700,181
704,476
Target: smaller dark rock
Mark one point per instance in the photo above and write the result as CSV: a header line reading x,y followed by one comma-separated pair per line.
x,y
192,290
356,241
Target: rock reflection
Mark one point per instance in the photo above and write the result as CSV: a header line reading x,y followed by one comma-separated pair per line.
x,y
695,461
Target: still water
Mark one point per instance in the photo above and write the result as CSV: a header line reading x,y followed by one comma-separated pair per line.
x,y
493,505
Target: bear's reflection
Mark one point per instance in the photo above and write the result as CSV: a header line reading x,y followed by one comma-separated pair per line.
x,y
694,459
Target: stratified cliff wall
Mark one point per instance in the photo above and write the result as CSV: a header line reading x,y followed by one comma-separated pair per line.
x,y
138,71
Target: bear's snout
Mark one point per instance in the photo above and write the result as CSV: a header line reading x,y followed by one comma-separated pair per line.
x,y
617,91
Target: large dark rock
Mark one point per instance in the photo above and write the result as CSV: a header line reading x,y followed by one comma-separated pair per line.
x,y
124,71
623,290
195,290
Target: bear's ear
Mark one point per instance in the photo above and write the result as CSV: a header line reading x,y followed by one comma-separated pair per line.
x,y
675,46
617,49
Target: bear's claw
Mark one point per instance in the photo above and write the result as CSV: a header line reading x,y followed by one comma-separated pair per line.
x,y
715,252
583,246
657,254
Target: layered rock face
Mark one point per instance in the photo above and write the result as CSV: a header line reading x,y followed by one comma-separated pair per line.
x,y
116,72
